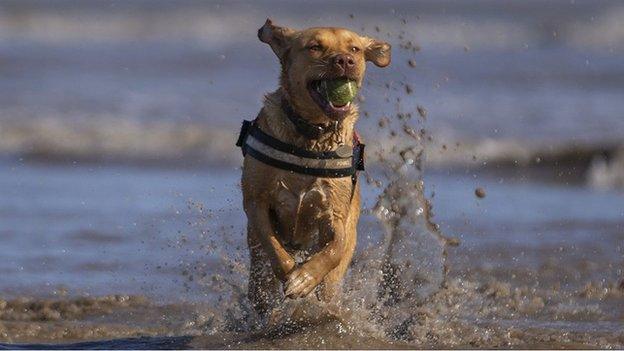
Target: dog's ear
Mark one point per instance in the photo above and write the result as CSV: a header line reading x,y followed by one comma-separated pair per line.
x,y
277,37
378,52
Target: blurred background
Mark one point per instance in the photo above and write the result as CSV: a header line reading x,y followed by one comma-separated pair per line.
x,y
119,174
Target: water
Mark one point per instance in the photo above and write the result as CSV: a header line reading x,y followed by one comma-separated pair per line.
x,y
100,82
92,221
120,209
163,234
110,219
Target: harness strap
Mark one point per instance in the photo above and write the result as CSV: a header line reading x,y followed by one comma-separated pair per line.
x,y
274,152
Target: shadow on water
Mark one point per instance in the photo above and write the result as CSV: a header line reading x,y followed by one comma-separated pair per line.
x,y
142,343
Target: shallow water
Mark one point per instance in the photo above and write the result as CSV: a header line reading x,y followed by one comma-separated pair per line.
x,y
538,265
89,221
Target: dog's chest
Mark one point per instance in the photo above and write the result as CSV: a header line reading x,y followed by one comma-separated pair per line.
x,y
302,209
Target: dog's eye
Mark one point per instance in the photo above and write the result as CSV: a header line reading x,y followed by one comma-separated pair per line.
x,y
355,49
315,47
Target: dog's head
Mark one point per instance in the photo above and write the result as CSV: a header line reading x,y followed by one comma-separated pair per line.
x,y
322,68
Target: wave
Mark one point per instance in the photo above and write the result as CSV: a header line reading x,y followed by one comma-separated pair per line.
x,y
517,153
598,164
195,144
607,171
476,25
117,141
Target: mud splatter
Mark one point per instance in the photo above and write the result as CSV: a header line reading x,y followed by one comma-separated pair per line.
x,y
480,192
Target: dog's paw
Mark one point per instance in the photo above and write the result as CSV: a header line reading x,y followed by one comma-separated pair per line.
x,y
300,282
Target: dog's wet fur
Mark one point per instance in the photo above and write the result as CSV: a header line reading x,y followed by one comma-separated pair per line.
x,y
289,212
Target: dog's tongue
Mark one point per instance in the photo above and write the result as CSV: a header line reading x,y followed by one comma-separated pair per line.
x,y
339,91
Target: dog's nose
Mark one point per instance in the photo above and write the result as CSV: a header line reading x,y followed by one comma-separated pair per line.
x,y
344,61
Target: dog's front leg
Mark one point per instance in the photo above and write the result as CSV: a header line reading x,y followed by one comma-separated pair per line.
x,y
258,216
302,280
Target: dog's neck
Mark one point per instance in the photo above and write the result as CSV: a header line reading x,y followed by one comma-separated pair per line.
x,y
274,121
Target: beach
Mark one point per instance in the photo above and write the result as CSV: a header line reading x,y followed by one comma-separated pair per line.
x,y
120,208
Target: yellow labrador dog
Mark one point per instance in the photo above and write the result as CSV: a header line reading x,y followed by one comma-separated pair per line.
x,y
299,181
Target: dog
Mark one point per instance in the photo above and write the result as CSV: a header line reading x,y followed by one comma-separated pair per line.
x,y
299,179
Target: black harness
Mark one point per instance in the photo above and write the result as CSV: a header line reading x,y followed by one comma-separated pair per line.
x,y
273,152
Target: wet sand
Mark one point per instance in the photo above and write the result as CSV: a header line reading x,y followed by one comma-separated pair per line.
x,y
559,304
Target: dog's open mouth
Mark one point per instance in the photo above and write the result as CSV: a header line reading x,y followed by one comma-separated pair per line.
x,y
334,96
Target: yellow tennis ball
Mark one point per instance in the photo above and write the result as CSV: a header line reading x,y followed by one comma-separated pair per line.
x,y
340,91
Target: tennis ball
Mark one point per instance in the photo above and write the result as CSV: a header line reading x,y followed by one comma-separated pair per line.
x,y
339,91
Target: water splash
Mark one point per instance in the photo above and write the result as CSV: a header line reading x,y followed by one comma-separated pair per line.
x,y
415,252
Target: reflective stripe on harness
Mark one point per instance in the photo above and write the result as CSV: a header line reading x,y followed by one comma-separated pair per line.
x,y
276,153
